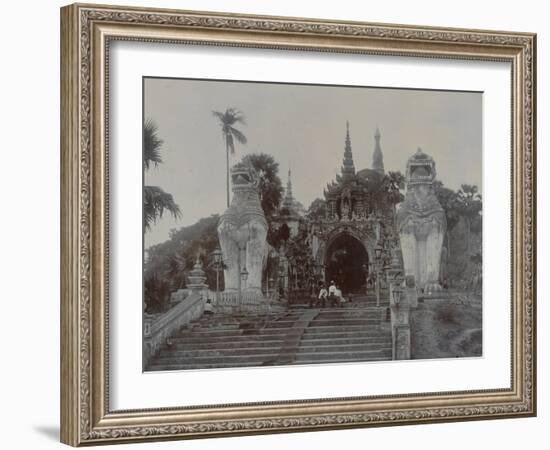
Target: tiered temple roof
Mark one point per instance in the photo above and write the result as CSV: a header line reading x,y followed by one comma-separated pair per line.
x,y
348,168
349,196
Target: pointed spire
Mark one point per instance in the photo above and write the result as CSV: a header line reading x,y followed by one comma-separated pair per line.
x,y
288,201
377,157
289,183
348,167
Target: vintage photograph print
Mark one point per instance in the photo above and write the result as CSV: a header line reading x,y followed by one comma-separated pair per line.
x,y
297,224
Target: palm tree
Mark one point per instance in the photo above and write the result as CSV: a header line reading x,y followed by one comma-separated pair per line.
x,y
227,120
396,182
468,201
155,200
448,201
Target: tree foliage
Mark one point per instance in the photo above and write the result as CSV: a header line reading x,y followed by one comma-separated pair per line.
x,y
270,185
156,292
171,261
447,200
468,204
394,182
155,200
385,190
300,261
468,200
317,210
151,144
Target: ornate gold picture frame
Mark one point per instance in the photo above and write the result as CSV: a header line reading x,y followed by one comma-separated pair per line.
x,y
87,32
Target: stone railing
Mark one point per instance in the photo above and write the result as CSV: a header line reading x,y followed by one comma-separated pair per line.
x,y
157,329
229,302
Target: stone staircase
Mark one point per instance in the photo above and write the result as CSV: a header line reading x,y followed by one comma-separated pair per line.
x,y
299,335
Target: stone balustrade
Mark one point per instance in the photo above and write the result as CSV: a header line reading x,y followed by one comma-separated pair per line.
x,y
157,329
250,301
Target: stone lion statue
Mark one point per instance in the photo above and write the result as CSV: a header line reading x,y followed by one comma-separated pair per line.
x,y
242,231
421,223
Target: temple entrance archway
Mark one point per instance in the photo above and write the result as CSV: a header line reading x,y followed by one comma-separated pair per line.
x,y
346,263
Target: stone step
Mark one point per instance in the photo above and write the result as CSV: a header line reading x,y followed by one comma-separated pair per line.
x,y
350,311
257,358
200,332
334,335
270,358
322,322
313,341
350,329
234,337
220,351
306,342
315,326
366,355
310,338
236,365
208,345
282,333
239,364
381,357
361,347
344,321
170,366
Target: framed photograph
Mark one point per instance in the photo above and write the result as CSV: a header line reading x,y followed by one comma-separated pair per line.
x,y
274,224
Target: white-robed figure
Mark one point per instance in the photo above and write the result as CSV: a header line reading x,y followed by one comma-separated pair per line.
x,y
323,295
333,294
339,296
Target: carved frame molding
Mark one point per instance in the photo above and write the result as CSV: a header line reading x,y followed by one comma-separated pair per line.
x,y
86,31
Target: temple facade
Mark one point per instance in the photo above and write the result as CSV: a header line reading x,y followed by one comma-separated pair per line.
x,y
357,217
343,241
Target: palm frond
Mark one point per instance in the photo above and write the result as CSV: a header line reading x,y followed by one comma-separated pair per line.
x,y
241,138
230,117
155,202
236,116
219,115
151,144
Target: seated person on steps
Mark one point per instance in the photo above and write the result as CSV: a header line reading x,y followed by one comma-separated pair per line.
x,y
208,308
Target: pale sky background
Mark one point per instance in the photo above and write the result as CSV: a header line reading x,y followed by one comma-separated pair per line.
x,y
302,126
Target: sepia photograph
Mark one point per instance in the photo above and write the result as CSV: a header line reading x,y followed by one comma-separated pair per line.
x,y
298,224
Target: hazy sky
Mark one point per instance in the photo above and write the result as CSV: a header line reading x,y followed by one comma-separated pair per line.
x,y
302,126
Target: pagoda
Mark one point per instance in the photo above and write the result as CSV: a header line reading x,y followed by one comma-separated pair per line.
x,y
349,197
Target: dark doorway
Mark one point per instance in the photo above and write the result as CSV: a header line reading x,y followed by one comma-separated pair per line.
x,y
347,263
